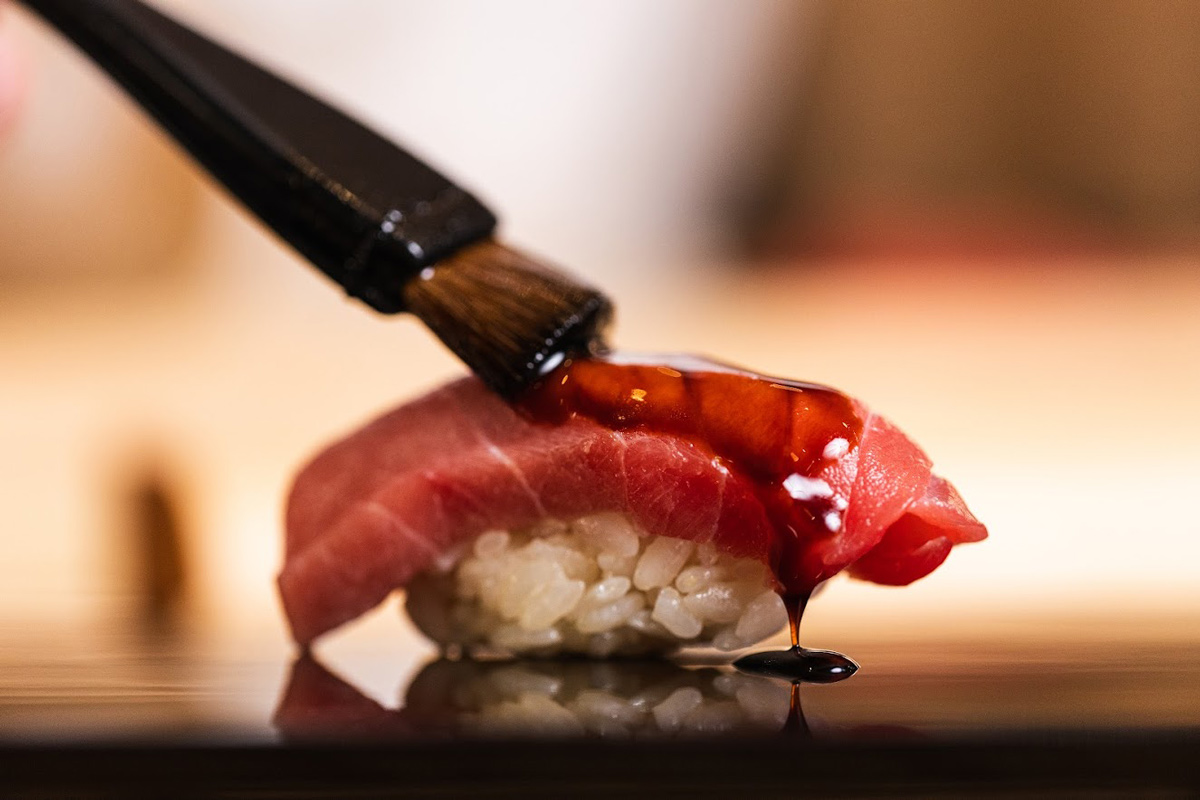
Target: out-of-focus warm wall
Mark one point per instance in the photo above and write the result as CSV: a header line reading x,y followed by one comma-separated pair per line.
x,y
91,194
1083,110
605,132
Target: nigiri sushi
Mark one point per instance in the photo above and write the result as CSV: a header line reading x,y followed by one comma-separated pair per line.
x,y
620,507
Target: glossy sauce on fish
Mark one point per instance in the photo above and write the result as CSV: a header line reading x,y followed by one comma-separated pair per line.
x,y
777,434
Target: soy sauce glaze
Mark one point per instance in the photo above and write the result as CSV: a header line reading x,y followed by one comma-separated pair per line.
x,y
777,434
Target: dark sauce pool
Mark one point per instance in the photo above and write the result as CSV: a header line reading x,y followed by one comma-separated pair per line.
x,y
748,422
798,664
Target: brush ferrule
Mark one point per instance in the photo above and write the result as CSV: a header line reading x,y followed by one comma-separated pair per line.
x,y
407,240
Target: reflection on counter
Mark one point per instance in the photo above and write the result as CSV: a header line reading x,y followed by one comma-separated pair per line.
x,y
542,699
930,690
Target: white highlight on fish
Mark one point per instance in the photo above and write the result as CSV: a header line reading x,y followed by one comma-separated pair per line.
x,y
804,489
836,448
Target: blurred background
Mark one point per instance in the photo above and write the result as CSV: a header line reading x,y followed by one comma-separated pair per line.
x,y
982,218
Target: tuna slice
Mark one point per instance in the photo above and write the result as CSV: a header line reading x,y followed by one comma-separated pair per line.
x,y
404,493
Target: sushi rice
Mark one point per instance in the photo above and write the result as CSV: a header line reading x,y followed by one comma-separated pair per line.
x,y
596,586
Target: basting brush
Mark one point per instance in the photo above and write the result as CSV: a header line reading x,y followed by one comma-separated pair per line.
x,y
389,229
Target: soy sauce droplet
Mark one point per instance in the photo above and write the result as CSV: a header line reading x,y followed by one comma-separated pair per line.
x,y
798,664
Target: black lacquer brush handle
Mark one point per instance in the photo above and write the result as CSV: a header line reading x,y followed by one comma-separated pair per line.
x,y
368,214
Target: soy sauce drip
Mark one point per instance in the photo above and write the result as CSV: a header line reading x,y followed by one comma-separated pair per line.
x,y
798,664
795,606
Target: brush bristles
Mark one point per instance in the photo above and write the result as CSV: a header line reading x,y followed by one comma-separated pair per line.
x,y
507,316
